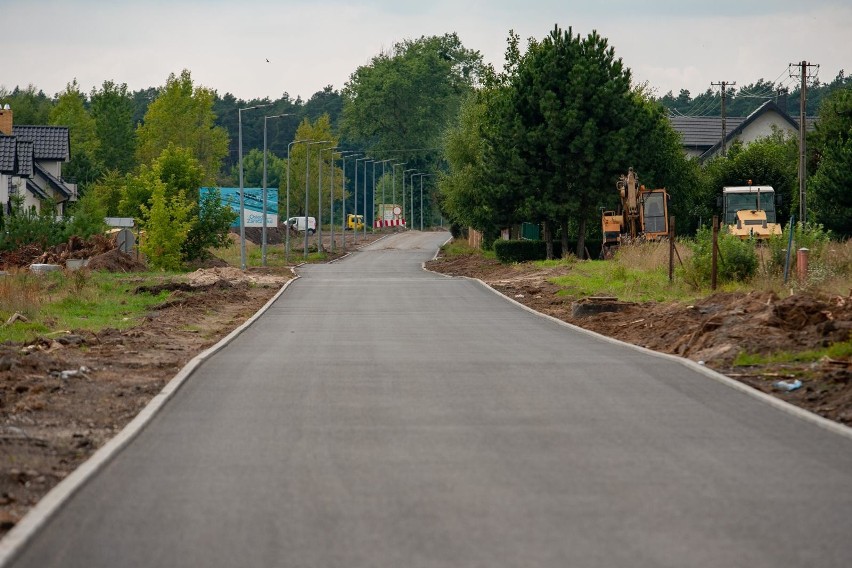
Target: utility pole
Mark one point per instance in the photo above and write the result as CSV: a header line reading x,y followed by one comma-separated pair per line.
x,y
724,85
803,98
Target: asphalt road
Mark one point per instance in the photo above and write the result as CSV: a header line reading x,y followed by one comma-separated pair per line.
x,y
382,416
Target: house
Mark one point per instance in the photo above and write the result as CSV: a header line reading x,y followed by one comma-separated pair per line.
x,y
701,136
31,159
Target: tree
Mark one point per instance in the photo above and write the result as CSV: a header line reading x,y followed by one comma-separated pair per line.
x,y
570,108
253,169
166,223
211,222
112,110
830,198
405,98
30,105
183,115
318,130
70,110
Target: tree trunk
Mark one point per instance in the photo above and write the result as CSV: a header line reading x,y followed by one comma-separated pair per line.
x,y
548,238
581,237
564,227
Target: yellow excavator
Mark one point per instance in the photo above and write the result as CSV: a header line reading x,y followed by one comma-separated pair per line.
x,y
643,215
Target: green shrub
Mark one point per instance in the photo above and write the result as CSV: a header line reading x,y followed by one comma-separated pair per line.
x,y
737,259
811,236
523,251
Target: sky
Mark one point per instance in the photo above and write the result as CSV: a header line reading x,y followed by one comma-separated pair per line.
x,y
671,45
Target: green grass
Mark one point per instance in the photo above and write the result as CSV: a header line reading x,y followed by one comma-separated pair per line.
x,y
840,350
64,302
609,278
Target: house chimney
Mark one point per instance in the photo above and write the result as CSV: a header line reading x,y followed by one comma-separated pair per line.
x,y
6,120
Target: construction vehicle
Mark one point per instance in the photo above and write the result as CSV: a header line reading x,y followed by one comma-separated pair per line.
x,y
749,211
354,222
643,215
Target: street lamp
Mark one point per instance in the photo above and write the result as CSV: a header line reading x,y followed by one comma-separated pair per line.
x,y
308,177
343,156
382,162
319,197
421,195
242,197
287,236
393,184
363,189
410,219
263,238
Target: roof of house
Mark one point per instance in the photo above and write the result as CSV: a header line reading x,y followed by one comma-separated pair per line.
x,y
25,159
8,149
704,133
33,188
49,142
55,182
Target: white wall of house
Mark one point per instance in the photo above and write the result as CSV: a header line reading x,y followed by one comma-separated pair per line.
x,y
30,200
4,190
763,127
52,167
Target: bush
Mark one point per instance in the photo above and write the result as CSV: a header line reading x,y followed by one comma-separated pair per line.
x,y
523,251
811,236
737,260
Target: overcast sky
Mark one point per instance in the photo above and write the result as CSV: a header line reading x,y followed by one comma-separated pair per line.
x,y
671,44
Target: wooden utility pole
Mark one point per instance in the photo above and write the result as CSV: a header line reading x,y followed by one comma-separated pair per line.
x,y
803,97
724,84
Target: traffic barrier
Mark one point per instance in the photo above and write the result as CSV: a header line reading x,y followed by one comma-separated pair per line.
x,y
389,223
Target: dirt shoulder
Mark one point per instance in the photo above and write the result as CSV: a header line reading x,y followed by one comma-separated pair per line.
x,y
713,330
62,398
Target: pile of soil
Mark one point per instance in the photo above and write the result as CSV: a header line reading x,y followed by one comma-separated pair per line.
x,y
713,331
116,261
75,248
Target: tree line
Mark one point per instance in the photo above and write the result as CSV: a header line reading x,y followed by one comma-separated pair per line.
x,y
543,140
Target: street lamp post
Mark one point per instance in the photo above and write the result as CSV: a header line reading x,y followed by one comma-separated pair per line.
x,y
382,220
307,187
287,235
319,197
393,184
343,156
366,161
410,219
421,194
263,238
242,190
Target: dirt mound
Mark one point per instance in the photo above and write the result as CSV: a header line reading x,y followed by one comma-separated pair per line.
x,y
234,276
116,261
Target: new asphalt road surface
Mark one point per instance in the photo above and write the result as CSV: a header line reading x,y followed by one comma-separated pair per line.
x,y
381,416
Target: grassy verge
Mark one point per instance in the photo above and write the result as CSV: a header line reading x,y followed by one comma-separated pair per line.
x,y
63,301
842,350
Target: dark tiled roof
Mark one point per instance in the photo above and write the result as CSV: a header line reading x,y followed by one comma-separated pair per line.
x,y
8,148
702,131
25,159
49,142
35,189
57,183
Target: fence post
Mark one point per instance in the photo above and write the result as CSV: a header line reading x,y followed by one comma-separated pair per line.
x,y
671,247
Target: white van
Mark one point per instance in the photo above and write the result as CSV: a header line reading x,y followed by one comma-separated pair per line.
x,y
298,223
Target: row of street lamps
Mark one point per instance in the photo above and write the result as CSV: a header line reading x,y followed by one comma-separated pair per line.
x,y
344,154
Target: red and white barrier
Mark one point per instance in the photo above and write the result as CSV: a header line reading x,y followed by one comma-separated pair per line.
x,y
389,223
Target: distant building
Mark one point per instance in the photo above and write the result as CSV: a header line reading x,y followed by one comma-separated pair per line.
x,y
31,159
701,136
